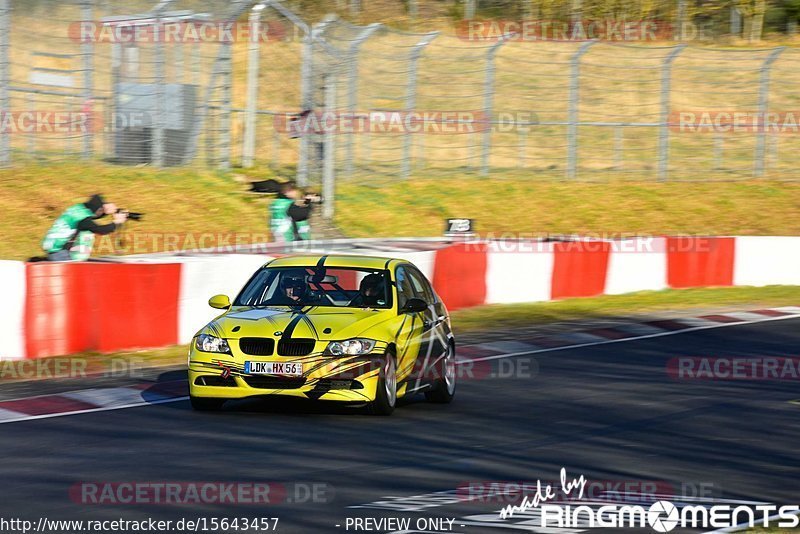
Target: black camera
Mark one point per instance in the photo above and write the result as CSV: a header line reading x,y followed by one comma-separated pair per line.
x,y
132,215
313,198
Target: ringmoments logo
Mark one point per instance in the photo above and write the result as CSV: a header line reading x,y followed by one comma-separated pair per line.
x,y
664,516
660,516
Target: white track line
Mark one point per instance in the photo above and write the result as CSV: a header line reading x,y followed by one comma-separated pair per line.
x,y
623,340
107,397
92,410
23,417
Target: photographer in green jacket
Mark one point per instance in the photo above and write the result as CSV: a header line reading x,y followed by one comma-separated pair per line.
x,y
71,237
289,214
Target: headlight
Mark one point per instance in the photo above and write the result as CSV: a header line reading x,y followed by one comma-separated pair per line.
x,y
207,343
350,347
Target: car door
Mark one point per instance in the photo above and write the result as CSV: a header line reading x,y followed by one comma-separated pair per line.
x,y
412,327
434,336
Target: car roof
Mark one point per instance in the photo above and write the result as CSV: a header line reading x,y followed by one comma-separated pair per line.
x,y
335,260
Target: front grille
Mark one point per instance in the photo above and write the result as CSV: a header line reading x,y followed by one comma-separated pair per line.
x,y
257,346
216,381
295,347
275,382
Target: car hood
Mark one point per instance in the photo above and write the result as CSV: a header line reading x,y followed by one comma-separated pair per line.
x,y
316,322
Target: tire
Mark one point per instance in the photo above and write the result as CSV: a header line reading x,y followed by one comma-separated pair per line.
x,y
386,390
444,388
205,404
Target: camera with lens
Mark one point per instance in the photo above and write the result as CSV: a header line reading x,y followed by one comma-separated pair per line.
x,y
312,198
132,215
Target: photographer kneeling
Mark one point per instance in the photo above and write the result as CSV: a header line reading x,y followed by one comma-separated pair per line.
x,y
289,214
71,237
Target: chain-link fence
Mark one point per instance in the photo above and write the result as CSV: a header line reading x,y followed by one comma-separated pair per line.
x,y
125,81
129,82
569,110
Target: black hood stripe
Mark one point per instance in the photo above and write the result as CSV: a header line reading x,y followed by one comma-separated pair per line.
x,y
298,316
311,326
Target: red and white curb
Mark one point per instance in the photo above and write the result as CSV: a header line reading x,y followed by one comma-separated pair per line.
x,y
91,400
619,333
145,394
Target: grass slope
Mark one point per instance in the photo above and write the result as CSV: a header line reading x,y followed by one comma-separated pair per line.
x,y
181,201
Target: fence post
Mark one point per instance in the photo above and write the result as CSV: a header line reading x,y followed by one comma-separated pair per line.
x,y
87,51
195,61
352,88
221,63
329,157
470,8
763,105
158,118
5,30
663,129
411,96
488,104
249,141
30,103
572,114
306,103
522,143
225,101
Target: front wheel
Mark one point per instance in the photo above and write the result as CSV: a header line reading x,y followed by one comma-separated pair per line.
x,y
386,390
204,404
444,389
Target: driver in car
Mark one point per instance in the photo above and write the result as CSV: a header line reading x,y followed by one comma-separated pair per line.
x,y
294,291
372,291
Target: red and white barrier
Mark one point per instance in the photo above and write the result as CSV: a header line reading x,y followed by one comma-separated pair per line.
x,y
637,264
762,261
62,308
519,276
105,307
12,310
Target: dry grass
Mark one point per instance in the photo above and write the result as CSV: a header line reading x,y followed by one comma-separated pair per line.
x,y
419,206
174,202
180,201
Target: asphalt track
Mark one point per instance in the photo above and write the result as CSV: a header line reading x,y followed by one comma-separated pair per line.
x,y
609,412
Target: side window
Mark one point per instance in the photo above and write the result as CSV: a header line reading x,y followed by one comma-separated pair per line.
x,y
421,287
253,293
405,290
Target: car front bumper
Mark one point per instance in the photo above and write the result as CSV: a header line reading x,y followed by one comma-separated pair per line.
x,y
324,378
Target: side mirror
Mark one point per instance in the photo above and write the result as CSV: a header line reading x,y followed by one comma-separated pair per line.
x,y
221,302
414,306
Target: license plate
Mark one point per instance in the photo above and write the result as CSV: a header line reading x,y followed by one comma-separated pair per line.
x,y
274,368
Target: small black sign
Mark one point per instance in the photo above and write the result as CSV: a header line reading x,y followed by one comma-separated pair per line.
x,y
459,227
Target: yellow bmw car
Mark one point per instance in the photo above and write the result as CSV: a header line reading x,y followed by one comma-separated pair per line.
x,y
353,329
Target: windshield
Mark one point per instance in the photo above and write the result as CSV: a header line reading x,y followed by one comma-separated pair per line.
x,y
317,286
